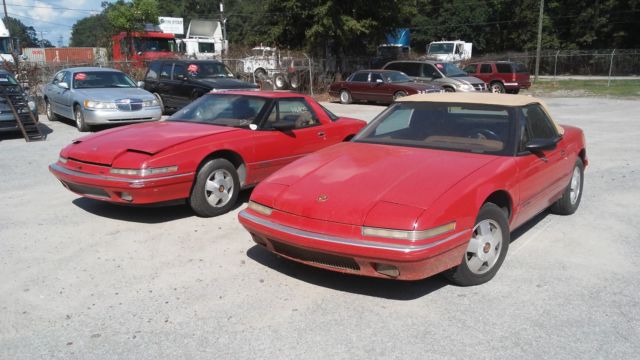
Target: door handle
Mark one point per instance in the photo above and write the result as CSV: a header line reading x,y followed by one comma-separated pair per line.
x,y
321,134
563,152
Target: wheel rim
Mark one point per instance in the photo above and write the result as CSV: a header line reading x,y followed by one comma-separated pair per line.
x,y
484,247
294,82
495,88
219,188
398,95
574,187
279,82
344,96
49,112
79,119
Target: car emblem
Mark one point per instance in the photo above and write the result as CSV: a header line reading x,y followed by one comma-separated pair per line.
x,y
322,198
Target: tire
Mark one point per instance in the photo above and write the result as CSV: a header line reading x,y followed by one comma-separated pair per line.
x,y
79,118
399,94
449,89
486,250
496,87
294,80
345,97
222,192
51,116
280,82
160,101
570,200
260,74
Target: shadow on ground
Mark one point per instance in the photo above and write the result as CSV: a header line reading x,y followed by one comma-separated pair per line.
x,y
13,135
147,214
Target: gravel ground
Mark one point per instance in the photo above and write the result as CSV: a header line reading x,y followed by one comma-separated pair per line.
x,y
88,280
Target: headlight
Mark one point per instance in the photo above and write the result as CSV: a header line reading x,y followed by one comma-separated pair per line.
x,y
264,210
144,172
466,87
62,159
32,105
99,105
150,103
408,235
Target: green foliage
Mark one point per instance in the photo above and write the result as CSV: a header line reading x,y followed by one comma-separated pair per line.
x,y
25,35
131,16
92,31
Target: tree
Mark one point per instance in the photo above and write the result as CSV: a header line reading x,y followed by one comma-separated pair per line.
x,y
26,36
131,16
92,31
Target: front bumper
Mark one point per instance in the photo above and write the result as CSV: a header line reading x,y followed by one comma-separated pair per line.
x,y
321,246
124,190
100,117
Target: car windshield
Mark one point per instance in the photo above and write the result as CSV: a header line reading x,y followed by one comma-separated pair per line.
x,y
101,79
152,44
476,128
450,70
397,77
6,79
441,48
222,109
203,70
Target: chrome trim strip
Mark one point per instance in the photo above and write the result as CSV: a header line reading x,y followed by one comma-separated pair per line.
x,y
66,171
344,241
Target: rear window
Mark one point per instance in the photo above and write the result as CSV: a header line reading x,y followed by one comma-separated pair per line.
x,y
520,68
504,68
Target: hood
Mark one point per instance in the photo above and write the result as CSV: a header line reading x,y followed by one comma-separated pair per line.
x,y
149,138
354,177
224,83
111,94
469,80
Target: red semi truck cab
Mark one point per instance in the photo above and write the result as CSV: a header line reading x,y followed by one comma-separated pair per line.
x,y
140,47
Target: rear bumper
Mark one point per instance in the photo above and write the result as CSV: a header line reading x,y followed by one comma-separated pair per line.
x,y
124,190
517,85
359,256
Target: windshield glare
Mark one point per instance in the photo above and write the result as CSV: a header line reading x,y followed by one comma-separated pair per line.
x,y
6,79
450,70
397,77
101,79
474,128
222,109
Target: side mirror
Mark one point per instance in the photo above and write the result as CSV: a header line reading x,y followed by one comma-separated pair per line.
x,y
283,125
379,81
140,84
63,85
537,145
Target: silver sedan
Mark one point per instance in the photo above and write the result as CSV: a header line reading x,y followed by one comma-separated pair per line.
x,y
93,96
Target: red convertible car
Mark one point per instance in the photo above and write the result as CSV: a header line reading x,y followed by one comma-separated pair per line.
x,y
204,153
434,184
378,85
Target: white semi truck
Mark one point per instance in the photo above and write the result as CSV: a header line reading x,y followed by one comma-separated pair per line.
x,y
6,44
449,51
204,40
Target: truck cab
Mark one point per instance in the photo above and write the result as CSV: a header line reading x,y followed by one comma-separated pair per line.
x,y
143,46
449,51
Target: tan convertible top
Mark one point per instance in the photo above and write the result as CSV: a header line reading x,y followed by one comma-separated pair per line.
x,y
481,98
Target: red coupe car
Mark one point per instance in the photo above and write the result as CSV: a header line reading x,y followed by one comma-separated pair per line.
x,y
434,184
204,153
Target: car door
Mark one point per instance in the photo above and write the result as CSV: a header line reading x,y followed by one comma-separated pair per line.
x,y
181,88
66,95
359,86
379,89
276,148
544,174
485,73
53,92
165,84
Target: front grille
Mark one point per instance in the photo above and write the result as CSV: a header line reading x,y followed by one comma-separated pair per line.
x,y
480,87
86,190
129,104
335,261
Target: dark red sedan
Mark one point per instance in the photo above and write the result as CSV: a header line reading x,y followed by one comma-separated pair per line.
x,y
205,153
378,85
435,184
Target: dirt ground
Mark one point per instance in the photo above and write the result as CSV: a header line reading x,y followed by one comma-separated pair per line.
x,y
89,280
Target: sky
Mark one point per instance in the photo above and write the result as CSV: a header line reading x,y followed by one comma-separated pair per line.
x,y
53,17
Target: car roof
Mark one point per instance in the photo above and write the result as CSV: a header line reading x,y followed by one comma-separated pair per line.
x,y
378,70
90,68
417,61
261,93
481,98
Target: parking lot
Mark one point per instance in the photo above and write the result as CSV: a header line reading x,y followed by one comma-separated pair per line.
x,y
85,279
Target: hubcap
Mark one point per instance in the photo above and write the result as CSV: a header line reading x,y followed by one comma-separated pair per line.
x,y
344,97
49,112
484,247
496,89
78,119
398,95
219,188
574,188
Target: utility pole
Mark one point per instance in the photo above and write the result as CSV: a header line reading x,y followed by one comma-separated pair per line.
x,y
6,18
539,40
223,23
42,39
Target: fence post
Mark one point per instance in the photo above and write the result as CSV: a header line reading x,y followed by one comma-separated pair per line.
x,y
310,74
610,67
555,66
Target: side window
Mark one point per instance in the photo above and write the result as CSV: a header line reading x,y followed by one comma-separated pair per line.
x,y
537,125
396,66
485,69
154,70
429,70
376,77
293,111
504,68
165,73
67,78
471,69
360,77
57,78
179,69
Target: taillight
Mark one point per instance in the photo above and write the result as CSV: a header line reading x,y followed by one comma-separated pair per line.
x,y
513,77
